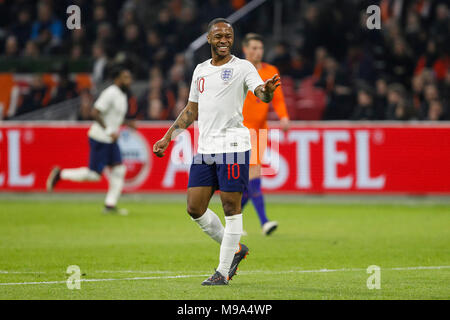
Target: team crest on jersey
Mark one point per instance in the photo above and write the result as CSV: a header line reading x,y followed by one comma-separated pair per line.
x,y
226,74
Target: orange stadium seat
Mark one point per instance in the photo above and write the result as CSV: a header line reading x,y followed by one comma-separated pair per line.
x,y
84,81
6,83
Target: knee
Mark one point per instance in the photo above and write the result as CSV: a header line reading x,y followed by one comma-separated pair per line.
x,y
194,210
231,208
119,171
254,187
92,176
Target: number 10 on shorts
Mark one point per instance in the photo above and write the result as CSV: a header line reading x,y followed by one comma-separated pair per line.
x,y
233,171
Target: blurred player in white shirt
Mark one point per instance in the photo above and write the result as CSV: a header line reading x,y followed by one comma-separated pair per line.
x,y
109,114
218,90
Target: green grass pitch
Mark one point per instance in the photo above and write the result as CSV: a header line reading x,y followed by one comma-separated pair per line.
x,y
320,251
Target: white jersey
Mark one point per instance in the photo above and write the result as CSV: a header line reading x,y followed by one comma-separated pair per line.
x,y
220,92
113,105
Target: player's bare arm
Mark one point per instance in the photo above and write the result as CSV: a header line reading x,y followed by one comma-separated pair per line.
x,y
184,120
97,116
265,91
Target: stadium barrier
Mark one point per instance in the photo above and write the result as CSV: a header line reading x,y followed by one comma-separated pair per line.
x,y
313,157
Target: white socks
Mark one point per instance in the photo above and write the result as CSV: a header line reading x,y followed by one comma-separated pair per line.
x,y
80,175
230,243
116,182
228,237
210,223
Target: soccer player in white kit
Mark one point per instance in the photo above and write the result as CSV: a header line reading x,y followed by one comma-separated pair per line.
x,y
109,114
218,90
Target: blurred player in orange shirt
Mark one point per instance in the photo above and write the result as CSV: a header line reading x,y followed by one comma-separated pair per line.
x,y
255,118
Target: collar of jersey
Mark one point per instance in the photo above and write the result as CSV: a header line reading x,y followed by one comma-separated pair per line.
x,y
211,65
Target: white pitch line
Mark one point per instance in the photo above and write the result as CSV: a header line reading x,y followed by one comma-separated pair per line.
x,y
139,271
346,270
245,272
20,272
419,268
106,280
99,271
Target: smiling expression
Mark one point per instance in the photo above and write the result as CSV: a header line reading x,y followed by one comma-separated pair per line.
x,y
221,39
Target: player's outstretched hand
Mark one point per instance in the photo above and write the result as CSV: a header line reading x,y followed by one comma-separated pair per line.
x,y
272,84
160,146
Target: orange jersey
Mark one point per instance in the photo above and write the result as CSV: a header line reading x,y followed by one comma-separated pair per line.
x,y
255,111
255,114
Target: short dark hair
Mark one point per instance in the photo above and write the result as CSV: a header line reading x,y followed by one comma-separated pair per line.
x,y
398,88
117,71
252,36
366,88
216,21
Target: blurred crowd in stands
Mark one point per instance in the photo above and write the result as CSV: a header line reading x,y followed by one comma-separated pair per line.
x,y
400,72
332,66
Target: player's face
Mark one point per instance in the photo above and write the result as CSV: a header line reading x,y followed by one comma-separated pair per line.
x,y
221,39
254,51
125,79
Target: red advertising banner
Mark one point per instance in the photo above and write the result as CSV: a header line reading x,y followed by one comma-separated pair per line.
x,y
311,158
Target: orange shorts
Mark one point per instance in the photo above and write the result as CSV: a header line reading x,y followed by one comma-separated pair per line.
x,y
258,135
